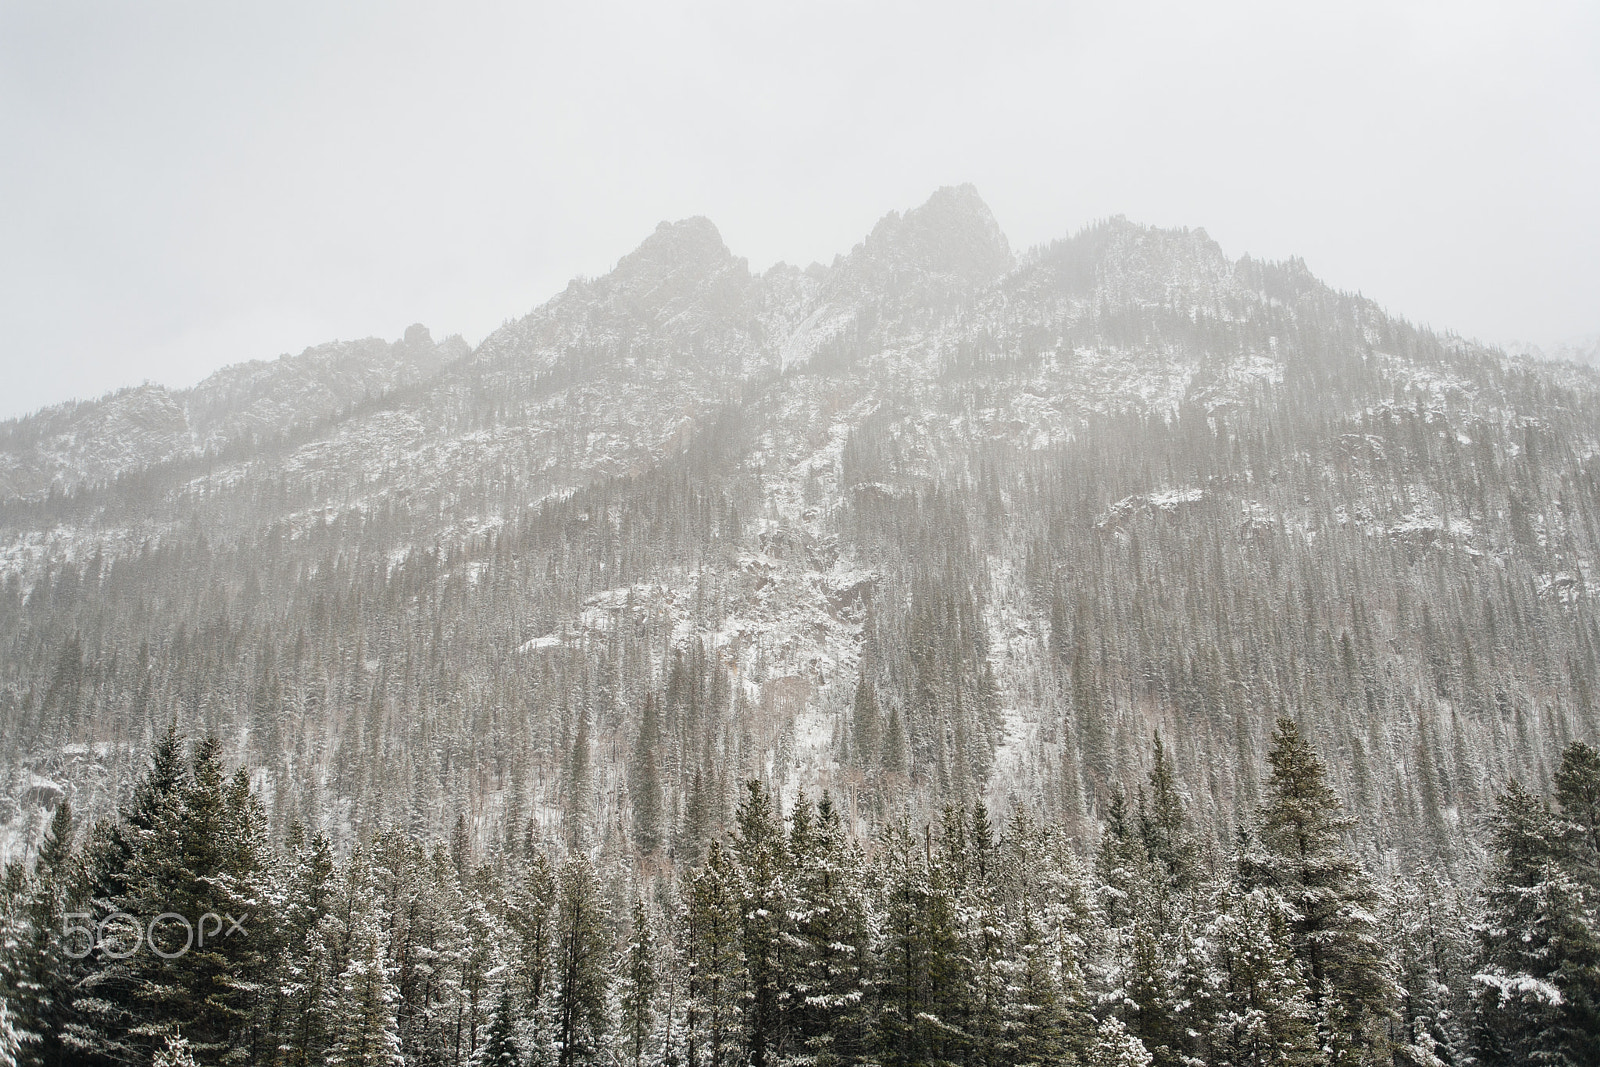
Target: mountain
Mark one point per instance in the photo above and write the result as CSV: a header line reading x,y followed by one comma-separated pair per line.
x,y
1584,351
72,445
939,521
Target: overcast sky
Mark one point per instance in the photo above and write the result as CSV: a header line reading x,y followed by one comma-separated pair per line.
x,y
188,185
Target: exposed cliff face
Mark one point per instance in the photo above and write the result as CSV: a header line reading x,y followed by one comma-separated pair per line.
x,y
1041,505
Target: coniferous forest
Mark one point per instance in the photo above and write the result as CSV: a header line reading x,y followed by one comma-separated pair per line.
x,y
980,939
1105,653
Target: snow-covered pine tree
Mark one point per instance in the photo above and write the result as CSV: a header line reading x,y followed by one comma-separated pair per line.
x,y
1539,941
1431,937
638,985
645,783
761,855
10,1040
303,977
714,949
1336,930
1114,1046
37,969
363,1029
866,717
1149,863
174,1052
1048,1006
192,845
499,1048
829,959
969,852
918,955
1577,785
583,964
1259,1004
531,920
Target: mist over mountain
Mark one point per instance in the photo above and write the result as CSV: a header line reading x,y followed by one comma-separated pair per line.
x,y
1107,652
1035,506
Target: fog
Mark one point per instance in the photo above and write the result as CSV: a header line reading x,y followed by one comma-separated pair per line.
x,y
186,186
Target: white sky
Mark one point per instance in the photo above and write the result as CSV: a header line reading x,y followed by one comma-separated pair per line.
x,y
188,185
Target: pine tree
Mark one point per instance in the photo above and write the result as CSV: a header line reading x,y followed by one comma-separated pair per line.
x,y
1035,1019
1163,826
1578,796
1089,706
10,1040
828,962
37,966
175,1052
500,1047
183,869
640,982
1148,867
583,961
580,785
531,918
1115,1047
1261,1010
762,858
896,745
364,1030
1434,948
1539,954
304,979
918,957
1047,1013
1335,930
969,852
866,720
715,953
644,784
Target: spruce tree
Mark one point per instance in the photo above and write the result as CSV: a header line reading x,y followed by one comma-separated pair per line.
x,y
1335,930
1434,948
1164,826
531,918
1540,954
37,964
644,782
918,956
304,979
716,966
829,960
640,981
1578,798
1260,1006
500,1047
583,963
10,1040
761,853
1061,931
1034,1014
364,1030
1114,1046
188,949
866,720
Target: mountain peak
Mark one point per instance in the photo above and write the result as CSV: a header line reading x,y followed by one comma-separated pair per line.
x,y
953,234
690,245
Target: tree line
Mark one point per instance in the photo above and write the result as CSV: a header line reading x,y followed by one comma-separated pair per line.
x,y
972,940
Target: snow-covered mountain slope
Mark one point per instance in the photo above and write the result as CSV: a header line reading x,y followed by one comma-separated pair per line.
x,y
239,407
1035,504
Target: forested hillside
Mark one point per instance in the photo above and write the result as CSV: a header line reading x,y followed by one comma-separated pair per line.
x,y
973,939
936,530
